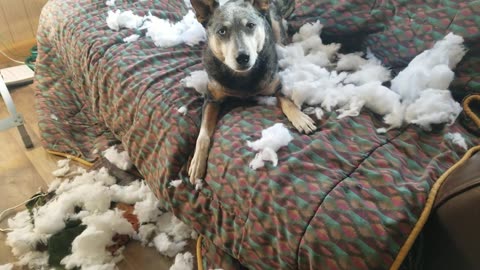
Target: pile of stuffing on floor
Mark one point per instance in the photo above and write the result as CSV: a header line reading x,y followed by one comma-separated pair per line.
x,y
86,218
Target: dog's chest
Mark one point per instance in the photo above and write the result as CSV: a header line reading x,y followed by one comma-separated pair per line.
x,y
258,81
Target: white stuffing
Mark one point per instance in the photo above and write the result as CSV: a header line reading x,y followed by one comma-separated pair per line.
x,y
110,3
183,262
307,31
88,249
63,163
34,260
330,50
430,69
257,162
93,192
458,139
164,33
100,176
182,110
23,238
198,80
318,113
273,138
53,117
119,159
188,4
222,2
198,184
123,19
369,72
51,218
193,234
107,266
7,266
54,185
147,210
260,158
131,38
314,110
130,194
269,101
433,107
167,34
175,183
146,233
64,168
374,96
175,228
164,223
166,246
394,119
307,80
309,110
350,62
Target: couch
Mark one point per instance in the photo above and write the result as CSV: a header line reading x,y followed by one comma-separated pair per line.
x,y
344,197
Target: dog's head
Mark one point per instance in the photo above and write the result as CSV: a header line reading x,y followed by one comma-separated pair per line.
x,y
236,30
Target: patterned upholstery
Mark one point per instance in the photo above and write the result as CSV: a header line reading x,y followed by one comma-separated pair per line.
x,y
342,198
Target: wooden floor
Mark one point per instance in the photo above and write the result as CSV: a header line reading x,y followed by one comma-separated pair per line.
x,y
23,172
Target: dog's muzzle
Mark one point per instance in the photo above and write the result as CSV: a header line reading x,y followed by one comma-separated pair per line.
x,y
243,61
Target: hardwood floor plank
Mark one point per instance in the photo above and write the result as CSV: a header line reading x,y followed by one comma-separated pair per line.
x,y
19,180
24,99
145,258
43,162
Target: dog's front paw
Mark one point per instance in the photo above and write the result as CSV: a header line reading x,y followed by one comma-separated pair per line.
x,y
198,165
302,122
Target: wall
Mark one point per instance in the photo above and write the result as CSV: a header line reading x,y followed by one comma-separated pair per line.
x,y
18,26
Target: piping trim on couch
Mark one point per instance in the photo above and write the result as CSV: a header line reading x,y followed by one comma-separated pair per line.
x,y
199,253
466,107
77,159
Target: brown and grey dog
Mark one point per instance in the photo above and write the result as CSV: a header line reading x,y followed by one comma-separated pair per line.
x,y
241,61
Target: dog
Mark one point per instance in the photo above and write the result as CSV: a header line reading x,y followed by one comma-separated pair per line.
x,y
241,61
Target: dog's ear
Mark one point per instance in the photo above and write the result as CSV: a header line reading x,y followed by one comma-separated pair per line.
x,y
204,9
261,5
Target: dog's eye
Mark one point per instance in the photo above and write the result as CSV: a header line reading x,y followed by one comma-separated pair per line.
x,y
222,31
250,25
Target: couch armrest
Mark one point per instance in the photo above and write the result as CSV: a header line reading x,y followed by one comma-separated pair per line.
x,y
452,234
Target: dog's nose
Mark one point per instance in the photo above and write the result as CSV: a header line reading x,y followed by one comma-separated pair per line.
x,y
243,58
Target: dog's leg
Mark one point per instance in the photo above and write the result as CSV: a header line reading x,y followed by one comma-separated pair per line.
x,y
198,165
301,121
